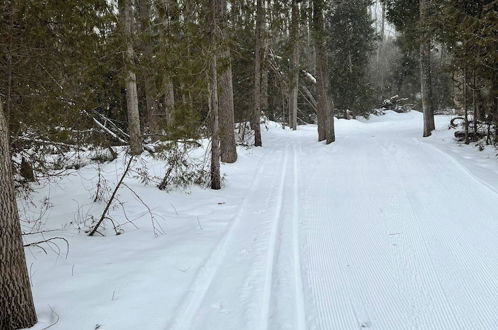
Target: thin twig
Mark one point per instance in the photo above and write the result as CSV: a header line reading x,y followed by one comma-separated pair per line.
x,y
104,214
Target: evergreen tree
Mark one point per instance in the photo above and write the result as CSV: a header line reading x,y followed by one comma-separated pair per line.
x,y
351,40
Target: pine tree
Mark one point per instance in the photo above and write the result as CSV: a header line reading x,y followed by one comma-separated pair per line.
x,y
350,44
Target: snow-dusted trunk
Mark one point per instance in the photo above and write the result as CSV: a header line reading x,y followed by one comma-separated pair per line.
x,y
294,67
256,116
425,71
227,133
325,107
126,17
213,97
16,302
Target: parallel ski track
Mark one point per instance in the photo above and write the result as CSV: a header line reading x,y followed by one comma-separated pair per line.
x,y
205,277
273,248
206,274
285,298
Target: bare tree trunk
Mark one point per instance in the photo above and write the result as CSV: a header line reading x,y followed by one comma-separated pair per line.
x,y
425,71
474,103
380,51
264,89
466,115
264,68
10,64
126,16
169,88
257,76
16,302
325,107
294,67
227,142
169,101
144,11
213,98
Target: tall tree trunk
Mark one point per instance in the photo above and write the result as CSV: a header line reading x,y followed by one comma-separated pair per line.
x,y
380,51
227,129
16,302
9,59
466,113
147,75
425,71
257,76
294,67
264,68
169,88
325,107
169,101
264,89
213,96
126,16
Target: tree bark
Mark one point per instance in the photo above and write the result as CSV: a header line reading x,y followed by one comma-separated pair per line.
x,y
294,67
425,71
150,100
213,97
16,301
227,129
264,89
169,88
126,15
256,126
325,106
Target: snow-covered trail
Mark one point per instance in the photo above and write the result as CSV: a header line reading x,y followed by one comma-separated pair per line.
x,y
381,230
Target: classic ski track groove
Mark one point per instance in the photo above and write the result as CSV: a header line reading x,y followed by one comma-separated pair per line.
x,y
205,276
273,248
301,312
287,287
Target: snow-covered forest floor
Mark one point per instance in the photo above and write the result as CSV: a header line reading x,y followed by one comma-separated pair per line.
x,y
382,229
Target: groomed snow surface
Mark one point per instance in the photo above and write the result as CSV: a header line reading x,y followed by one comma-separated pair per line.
x,y
381,230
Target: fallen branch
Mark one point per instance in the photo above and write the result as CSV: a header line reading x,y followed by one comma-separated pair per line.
x,y
114,135
48,241
104,214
